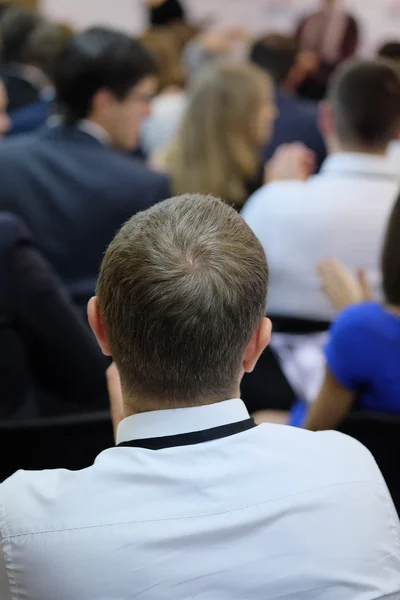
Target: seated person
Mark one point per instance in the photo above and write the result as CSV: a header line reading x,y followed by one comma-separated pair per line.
x,y
334,213
195,500
23,83
73,182
391,51
332,35
297,120
169,104
49,361
216,150
363,352
41,53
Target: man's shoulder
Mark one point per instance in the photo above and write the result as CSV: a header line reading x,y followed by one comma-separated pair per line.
x,y
276,196
329,457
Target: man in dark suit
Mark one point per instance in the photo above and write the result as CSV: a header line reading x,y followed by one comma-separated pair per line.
x,y
297,120
74,183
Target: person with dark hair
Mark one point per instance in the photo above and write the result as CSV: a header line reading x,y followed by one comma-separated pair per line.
x,y
297,120
73,182
390,51
363,352
23,84
164,12
41,54
195,500
334,213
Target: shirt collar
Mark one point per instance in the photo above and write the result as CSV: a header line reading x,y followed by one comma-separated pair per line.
x,y
95,131
357,163
161,423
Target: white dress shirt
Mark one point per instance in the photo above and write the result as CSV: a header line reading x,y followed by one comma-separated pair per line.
x,y
270,513
341,212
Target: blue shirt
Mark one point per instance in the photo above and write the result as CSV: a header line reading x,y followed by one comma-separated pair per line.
x,y
363,354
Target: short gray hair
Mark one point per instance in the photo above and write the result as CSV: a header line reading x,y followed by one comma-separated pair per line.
x,y
181,291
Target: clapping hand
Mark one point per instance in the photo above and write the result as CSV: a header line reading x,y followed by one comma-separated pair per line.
x,y
341,286
290,161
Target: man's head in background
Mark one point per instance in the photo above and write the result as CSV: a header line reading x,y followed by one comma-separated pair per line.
x,y
45,46
278,54
362,112
17,25
109,78
181,302
390,51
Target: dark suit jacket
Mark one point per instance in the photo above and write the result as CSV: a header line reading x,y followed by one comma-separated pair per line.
x,y
74,193
297,122
20,91
49,360
29,118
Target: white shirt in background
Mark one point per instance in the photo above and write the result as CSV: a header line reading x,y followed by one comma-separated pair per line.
x,y
342,212
160,127
266,514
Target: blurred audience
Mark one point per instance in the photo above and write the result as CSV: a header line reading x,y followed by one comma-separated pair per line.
x,y
336,212
42,52
297,120
71,182
363,352
49,362
331,36
229,116
195,498
168,106
23,83
340,212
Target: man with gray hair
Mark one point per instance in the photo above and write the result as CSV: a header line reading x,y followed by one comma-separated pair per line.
x,y
195,501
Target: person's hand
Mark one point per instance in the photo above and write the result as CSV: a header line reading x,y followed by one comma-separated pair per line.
x,y
308,62
290,161
341,286
215,42
115,395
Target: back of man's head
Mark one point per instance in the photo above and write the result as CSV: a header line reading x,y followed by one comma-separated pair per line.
x,y
390,51
45,46
181,292
98,59
276,54
365,102
17,24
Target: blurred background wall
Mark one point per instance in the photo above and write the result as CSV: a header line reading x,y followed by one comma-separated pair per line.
x,y
379,19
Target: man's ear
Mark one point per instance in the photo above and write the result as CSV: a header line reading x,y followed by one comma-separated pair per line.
x,y
257,345
97,325
325,119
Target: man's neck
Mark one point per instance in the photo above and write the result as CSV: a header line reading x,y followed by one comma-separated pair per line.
x,y
144,405
335,147
96,130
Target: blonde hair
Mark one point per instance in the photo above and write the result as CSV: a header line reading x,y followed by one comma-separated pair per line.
x,y
217,145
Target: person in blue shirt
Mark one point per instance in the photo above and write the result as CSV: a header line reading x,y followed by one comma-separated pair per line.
x,y
363,351
297,119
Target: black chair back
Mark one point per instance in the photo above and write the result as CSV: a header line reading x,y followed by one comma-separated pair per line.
x,y
70,442
380,433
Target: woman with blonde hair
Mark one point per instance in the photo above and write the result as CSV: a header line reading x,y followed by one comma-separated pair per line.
x,y
229,115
